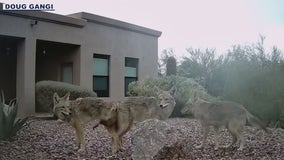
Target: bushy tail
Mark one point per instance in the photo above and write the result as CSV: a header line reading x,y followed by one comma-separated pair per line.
x,y
256,122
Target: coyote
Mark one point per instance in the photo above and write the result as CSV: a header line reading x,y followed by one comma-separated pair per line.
x,y
160,108
80,111
137,109
227,114
117,117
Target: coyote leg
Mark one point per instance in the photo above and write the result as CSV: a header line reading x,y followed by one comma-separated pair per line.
x,y
205,134
234,134
217,136
236,129
124,124
115,143
114,138
79,137
120,142
241,139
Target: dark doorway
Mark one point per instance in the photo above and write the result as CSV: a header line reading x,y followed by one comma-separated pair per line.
x,y
54,61
8,65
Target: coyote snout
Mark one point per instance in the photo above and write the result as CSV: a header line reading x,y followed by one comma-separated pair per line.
x,y
164,105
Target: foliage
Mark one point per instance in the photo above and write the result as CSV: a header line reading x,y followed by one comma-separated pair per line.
x,y
9,123
247,74
166,53
199,65
171,66
185,89
44,91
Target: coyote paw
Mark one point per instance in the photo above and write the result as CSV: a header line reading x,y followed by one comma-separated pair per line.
x,y
80,150
59,121
199,146
227,146
116,150
216,148
95,126
240,149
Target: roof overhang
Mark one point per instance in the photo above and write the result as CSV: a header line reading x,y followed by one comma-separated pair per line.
x,y
48,17
116,23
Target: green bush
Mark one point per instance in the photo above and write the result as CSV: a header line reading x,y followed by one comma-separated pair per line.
x,y
44,91
9,123
186,88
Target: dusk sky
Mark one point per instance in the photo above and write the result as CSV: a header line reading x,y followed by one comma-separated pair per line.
x,y
190,23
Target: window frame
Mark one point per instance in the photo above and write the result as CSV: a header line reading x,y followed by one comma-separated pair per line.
x,y
130,64
102,93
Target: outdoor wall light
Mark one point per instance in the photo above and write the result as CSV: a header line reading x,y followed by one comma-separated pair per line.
x,y
33,22
7,51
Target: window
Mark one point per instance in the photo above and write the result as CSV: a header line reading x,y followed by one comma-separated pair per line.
x,y
67,73
130,72
101,75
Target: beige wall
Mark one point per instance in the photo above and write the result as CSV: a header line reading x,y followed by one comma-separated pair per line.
x,y
89,38
119,44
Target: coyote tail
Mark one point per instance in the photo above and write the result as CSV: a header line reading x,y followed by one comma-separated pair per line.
x,y
256,122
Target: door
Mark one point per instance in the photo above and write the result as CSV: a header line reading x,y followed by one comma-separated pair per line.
x,y
67,73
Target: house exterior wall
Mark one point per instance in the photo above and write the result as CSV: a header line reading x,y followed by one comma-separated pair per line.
x,y
93,35
119,44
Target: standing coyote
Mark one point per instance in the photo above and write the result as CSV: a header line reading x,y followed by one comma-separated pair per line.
x,y
117,117
231,115
80,111
160,108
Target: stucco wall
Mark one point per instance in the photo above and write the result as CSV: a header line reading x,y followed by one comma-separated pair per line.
x,y
90,37
119,44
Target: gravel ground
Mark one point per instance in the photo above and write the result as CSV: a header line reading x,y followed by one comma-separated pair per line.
x,y
48,139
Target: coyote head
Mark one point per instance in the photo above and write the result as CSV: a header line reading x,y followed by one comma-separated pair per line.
x,y
61,106
166,98
166,102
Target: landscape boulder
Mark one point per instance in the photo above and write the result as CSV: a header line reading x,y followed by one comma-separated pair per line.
x,y
153,137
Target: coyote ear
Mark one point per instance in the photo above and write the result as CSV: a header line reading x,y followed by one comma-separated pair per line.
x,y
173,91
66,97
157,89
195,96
114,107
55,98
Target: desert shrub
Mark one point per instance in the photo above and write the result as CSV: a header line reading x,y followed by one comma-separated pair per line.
x,y
247,74
171,66
9,123
186,88
44,91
